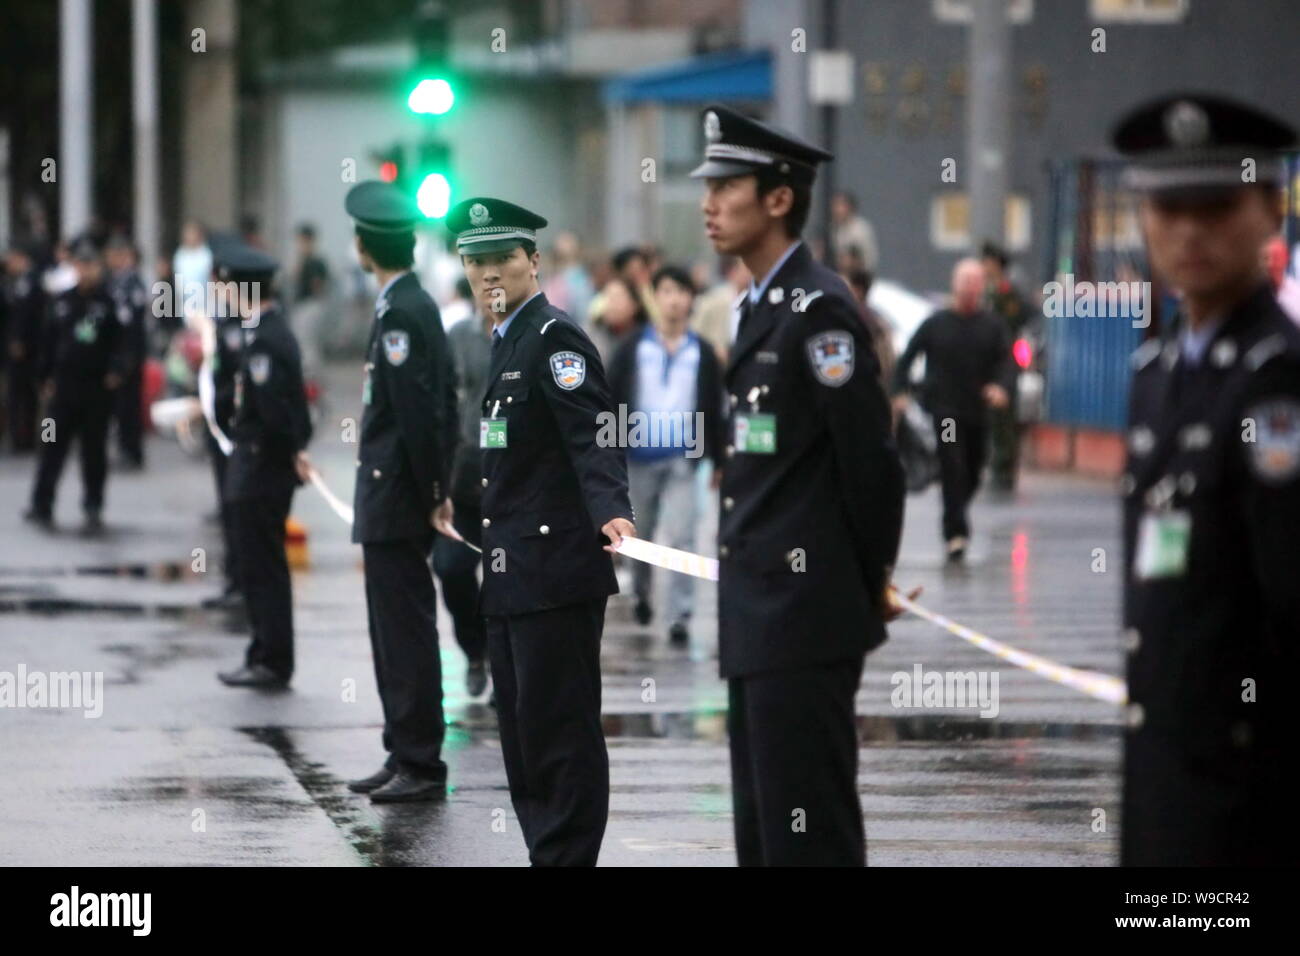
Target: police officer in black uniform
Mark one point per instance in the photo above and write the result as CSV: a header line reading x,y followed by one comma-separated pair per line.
x,y
270,427
408,437
552,496
81,364
1211,501
25,306
812,507
130,299
228,344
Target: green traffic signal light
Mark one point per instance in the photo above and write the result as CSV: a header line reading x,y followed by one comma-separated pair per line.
x,y
433,96
434,196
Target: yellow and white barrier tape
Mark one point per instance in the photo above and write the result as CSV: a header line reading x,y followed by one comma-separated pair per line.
x,y
1093,683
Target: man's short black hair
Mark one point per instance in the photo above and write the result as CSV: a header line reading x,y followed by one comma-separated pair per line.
x,y
797,217
991,250
307,231
389,250
624,256
676,274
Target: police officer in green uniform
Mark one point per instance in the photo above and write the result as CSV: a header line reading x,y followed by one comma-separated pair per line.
x,y
81,366
553,496
1211,501
812,508
408,438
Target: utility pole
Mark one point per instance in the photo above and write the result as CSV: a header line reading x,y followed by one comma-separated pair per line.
x,y
144,109
988,120
73,170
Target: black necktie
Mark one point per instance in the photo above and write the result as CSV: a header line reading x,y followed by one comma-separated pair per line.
x,y
496,339
745,310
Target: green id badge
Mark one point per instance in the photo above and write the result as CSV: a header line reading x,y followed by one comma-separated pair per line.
x,y
756,433
491,433
1162,542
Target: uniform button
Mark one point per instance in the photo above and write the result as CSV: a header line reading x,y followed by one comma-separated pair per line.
x,y
723,551
358,462
1187,483
1132,639
484,482
734,401
728,503
509,399
763,390
1135,716
376,473
487,522
731,450
545,529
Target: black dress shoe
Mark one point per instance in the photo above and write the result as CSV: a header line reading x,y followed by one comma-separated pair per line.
x,y
476,678
42,519
404,788
93,524
643,612
230,600
259,675
373,782
678,635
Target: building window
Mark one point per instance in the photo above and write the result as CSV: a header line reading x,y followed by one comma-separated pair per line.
x,y
958,11
1138,11
950,223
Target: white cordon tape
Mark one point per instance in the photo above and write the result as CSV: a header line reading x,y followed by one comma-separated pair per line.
x,y
1094,684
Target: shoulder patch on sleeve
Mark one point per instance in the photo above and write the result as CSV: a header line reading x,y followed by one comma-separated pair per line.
x,y
1274,455
831,356
569,370
397,346
259,367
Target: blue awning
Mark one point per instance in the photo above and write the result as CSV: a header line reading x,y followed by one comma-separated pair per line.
x,y
746,75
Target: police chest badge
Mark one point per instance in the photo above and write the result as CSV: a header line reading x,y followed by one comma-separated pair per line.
x,y
831,355
569,369
397,346
259,367
1274,455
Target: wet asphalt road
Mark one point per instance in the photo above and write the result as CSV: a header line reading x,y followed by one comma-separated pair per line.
x,y
181,770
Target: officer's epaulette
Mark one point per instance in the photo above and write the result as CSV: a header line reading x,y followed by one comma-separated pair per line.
x,y
1146,353
546,325
1265,349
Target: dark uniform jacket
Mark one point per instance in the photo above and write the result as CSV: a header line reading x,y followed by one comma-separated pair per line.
x,y
408,428
1220,443
25,319
226,357
83,343
547,494
130,299
829,500
271,422
471,349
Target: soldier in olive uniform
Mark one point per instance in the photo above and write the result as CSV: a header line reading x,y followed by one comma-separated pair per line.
x,y
553,495
408,438
812,508
80,367
270,427
1211,501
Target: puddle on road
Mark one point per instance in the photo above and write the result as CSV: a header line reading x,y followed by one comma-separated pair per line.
x,y
159,571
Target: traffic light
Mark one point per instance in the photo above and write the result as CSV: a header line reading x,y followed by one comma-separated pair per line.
x,y
434,189
431,91
391,163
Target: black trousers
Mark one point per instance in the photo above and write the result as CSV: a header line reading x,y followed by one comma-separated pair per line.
x,y
127,414
258,528
84,419
403,609
960,462
230,559
21,386
794,767
546,669
457,567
